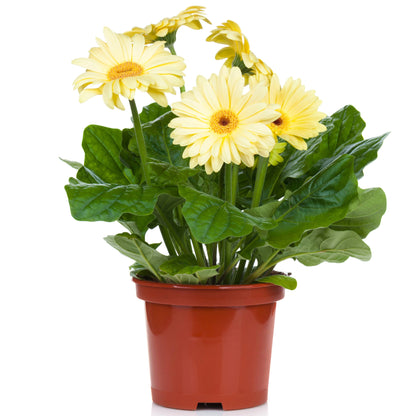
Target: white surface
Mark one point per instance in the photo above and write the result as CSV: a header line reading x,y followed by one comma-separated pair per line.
x,y
72,332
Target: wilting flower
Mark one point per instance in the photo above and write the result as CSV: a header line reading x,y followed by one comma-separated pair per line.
x,y
122,64
190,17
218,123
237,52
299,116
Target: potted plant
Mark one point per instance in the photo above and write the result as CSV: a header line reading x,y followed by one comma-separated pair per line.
x,y
238,175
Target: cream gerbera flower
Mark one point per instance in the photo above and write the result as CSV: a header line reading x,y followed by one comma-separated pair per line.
x,y
190,17
219,123
122,64
299,116
237,52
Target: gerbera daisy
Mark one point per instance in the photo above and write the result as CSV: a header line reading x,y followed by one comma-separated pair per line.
x,y
122,64
299,116
190,17
218,123
237,52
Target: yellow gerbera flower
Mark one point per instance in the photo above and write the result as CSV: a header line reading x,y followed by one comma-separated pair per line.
x,y
190,17
122,64
237,52
299,116
218,123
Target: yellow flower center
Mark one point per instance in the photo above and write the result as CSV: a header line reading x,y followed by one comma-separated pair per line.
x,y
279,125
124,70
223,122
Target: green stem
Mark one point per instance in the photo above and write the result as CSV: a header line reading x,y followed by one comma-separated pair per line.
x,y
250,277
198,251
168,241
230,196
249,269
172,231
240,271
212,254
262,164
228,181
280,169
138,133
234,183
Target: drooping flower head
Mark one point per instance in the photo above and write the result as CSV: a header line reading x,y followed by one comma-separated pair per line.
x,y
121,64
219,123
299,116
237,52
190,17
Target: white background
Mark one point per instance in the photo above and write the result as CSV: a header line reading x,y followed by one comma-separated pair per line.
x,y
72,332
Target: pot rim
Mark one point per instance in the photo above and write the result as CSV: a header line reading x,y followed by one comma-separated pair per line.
x,y
210,287
208,295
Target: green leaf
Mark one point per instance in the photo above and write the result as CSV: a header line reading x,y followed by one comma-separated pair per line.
x,y
211,219
364,152
184,270
132,246
152,112
73,164
325,244
102,147
166,174
321,201
107,202
137,224
280,280
364,213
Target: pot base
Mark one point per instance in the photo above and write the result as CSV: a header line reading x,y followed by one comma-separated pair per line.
x,y
191,402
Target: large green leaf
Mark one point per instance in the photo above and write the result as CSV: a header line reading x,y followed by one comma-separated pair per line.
x,y
364,213
132,246
321,201
211,219
364,152
107,202
102,147
325,244
280,280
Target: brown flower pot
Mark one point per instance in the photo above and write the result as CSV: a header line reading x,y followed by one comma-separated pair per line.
x,y
209,344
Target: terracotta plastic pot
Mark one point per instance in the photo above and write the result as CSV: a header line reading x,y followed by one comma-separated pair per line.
x,y
209,344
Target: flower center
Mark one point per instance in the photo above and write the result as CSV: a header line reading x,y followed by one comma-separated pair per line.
x,y
223,121
280,125
124,70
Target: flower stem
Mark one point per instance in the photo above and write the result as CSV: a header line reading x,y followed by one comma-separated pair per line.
x,y
168,241
262,164
212,254
231,182
240,271
138,133
198,251
281,166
